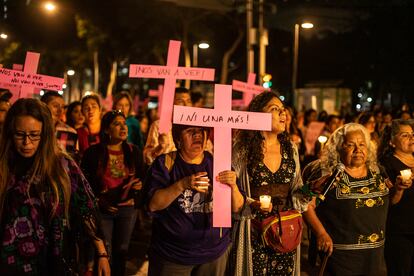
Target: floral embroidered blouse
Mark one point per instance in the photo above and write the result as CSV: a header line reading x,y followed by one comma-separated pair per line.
x,y
32,242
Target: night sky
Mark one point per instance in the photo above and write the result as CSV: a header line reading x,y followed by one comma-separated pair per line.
x,y
364,45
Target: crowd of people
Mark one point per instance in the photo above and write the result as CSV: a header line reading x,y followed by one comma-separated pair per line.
x,y
74,180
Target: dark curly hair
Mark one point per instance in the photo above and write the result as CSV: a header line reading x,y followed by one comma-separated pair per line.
x,y
250,143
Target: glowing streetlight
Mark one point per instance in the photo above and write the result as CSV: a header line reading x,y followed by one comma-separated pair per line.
x,y
305,25
3,36
49,6
202,45
70,72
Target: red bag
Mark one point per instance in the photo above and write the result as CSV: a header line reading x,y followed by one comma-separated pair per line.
x,y
282,235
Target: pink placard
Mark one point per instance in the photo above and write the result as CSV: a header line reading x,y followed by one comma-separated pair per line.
x,y
196,116
222,141
170,73
248,88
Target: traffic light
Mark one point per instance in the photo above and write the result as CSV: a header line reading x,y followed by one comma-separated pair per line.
x,y
267,81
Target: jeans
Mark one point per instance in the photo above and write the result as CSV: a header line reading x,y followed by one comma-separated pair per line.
x,y
117,230
158,266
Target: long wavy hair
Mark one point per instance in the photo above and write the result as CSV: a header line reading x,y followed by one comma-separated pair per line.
x,y
250,144
385,148
103,154
47,170
330,156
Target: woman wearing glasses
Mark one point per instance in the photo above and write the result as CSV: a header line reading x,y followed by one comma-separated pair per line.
x,y
44,198
114,168
396,155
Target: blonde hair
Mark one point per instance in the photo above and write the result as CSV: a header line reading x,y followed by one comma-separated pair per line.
x,y
47,168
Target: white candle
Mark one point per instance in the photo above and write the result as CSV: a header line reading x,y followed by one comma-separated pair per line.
x,y
406,174
265,201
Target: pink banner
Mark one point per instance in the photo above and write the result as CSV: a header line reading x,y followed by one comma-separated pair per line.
x,y
223,119
248,88
170,73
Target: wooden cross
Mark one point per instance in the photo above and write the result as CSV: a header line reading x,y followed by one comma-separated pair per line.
x,y
223,120
170,73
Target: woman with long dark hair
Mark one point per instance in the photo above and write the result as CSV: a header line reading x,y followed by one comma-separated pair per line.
x,y
115,169
396,154
44,197
266,163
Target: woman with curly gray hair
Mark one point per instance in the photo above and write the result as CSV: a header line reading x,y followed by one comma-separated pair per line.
x,y
348,218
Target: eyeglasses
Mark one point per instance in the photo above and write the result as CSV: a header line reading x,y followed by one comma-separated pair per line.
x,y
32,136
117,112
406,135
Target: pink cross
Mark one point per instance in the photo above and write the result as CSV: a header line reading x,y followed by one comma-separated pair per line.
x,y
248,88
27,80
170,73
156,93
237,103
223,119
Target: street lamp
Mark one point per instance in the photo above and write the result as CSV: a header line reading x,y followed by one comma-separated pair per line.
x,y
202,45
305,25
49,7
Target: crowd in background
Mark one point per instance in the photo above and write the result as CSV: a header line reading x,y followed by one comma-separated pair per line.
x,y
116,168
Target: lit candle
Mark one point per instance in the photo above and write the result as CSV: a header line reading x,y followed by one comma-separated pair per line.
x,y
406,174
265,201
322,139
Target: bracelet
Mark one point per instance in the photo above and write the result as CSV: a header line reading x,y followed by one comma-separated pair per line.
x,y
103,255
